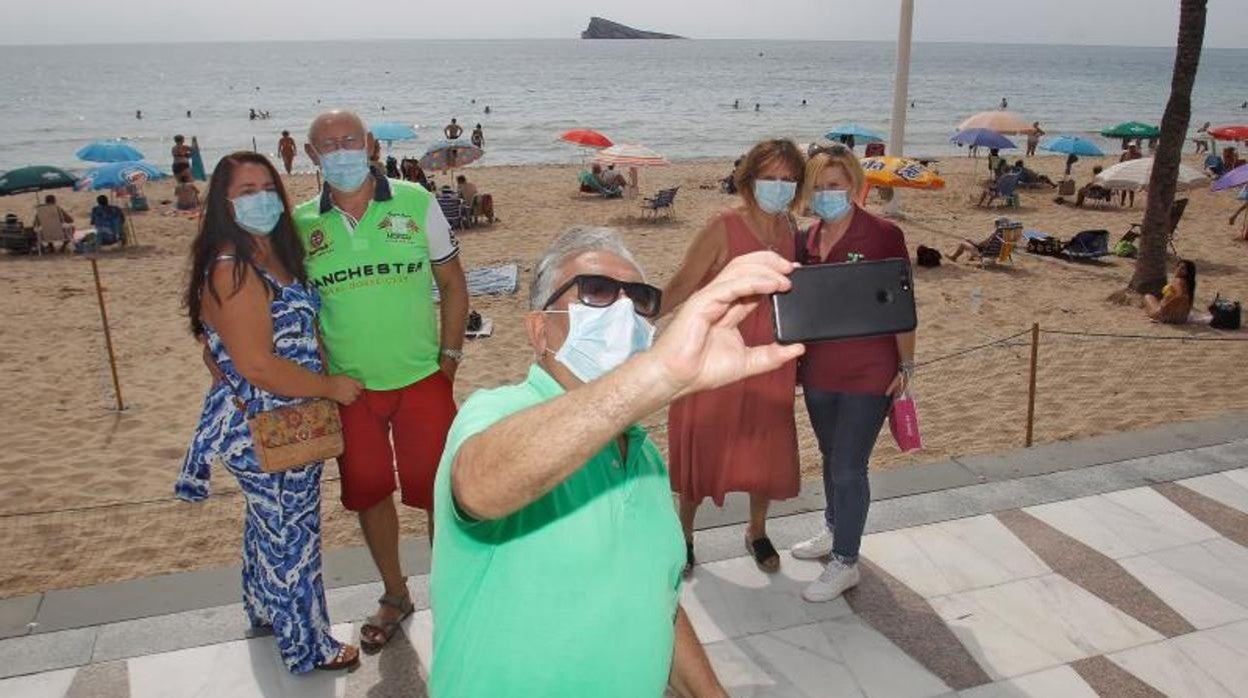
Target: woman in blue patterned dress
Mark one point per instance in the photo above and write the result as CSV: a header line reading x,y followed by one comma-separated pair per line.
x,y
250,304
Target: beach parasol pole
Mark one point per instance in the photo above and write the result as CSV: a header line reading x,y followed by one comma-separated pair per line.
x,y
108,336
901,87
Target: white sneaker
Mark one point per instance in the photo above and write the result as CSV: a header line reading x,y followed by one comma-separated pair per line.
x,y
815,548
835,579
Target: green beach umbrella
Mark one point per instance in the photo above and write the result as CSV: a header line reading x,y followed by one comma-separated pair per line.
x,y
1132,129
34,178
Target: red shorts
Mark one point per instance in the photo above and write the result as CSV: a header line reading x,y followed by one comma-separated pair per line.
x,y
417,419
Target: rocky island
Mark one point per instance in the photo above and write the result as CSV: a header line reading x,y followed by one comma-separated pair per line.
x,y
600,28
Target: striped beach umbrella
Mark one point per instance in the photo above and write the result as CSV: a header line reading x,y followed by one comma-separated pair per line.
x,y
630,155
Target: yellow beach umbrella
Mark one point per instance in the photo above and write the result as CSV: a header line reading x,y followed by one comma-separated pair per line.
x,y
891,171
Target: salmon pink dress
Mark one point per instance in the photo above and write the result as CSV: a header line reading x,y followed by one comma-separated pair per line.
x,y
741,437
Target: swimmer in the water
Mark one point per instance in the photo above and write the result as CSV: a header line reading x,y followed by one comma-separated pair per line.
x,y
757,106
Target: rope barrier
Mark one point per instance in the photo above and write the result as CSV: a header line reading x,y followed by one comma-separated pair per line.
x,y
661,426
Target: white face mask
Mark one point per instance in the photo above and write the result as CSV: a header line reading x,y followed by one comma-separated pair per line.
x,y
600,339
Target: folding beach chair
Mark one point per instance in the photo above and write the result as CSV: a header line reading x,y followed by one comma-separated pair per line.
x,y
661,201
1003,243
1176,214
591,185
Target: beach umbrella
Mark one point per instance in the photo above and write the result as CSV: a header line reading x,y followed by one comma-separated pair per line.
x,y
1006,122
1237,177
109,151
1133,174
390,131
1072,145
1230,133
891,171
982,138
34,178
630,155
586,137
1131,129
449,155
858,131
115,175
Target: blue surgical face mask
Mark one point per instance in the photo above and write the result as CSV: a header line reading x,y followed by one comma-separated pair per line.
x,y
831,204
600,339
258,213
773,195
345,169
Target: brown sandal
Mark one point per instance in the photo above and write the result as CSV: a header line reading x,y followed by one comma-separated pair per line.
x,y
348,658
386,629
764,554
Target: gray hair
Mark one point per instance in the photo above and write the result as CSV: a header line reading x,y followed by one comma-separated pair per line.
x,y
572,243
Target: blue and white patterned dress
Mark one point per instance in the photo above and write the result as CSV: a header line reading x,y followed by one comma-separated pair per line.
x,y
282,584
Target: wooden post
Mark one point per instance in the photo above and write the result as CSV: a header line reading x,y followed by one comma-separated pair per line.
x,y
1031,389
108,336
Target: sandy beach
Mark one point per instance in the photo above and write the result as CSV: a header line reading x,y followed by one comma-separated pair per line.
x,y
86,492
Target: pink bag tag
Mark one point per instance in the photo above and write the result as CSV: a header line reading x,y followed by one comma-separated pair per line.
x,y
903,421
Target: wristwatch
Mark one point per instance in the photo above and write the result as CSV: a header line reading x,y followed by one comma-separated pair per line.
x,y
456,355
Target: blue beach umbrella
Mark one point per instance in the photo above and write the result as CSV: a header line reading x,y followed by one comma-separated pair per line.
x,y
390,131
858,131
1072,145
109,151
115,175
982,137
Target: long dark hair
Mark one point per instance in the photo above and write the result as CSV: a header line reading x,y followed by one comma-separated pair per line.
x,y
1189,267
218,231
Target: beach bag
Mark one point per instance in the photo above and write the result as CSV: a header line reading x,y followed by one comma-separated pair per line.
x,y
293,436
903,422
927,257
1125,248
1225,315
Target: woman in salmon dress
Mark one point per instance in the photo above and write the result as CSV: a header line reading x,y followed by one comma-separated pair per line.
x,y
741,437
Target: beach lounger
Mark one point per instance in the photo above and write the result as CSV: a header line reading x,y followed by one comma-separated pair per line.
x,y
661,201
591,185
1176,214
1088,244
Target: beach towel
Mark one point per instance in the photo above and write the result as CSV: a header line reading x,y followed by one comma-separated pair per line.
x,y
494,280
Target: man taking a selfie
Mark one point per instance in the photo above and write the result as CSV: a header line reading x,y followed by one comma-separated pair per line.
x,y
557,564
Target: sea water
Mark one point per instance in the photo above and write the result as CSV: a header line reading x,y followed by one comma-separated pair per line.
x,y
674,96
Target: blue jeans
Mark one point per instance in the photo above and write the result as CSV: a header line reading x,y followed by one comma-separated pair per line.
x,y
846,426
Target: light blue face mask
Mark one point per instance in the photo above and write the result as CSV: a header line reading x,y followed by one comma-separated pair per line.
x,y
831,204
600,339
258,213
345,169
773,195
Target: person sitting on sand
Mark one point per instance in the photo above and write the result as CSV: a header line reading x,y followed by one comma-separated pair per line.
x,y
1028,176
1176,297
611,178
287,148
453,130
1132,153
186,194
1243,197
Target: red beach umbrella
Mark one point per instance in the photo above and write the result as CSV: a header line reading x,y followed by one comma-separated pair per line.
x,y
1238,132
588,138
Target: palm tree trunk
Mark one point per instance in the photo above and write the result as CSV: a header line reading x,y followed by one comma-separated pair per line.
x,y
1150,267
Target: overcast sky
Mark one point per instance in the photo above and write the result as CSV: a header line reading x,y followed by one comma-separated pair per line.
x,y
1128,22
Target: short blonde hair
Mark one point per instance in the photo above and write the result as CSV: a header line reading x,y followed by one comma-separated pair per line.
x,y
843,158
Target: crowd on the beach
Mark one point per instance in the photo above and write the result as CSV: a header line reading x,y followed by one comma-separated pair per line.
x,y
557,552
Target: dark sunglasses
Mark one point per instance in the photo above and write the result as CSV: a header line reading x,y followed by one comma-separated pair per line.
x,y
834,149
599,291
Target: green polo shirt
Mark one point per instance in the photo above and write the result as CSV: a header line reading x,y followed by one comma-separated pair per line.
x,y
573,595
378,318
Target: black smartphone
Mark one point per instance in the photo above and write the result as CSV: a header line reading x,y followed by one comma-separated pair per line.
x,y
843,301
